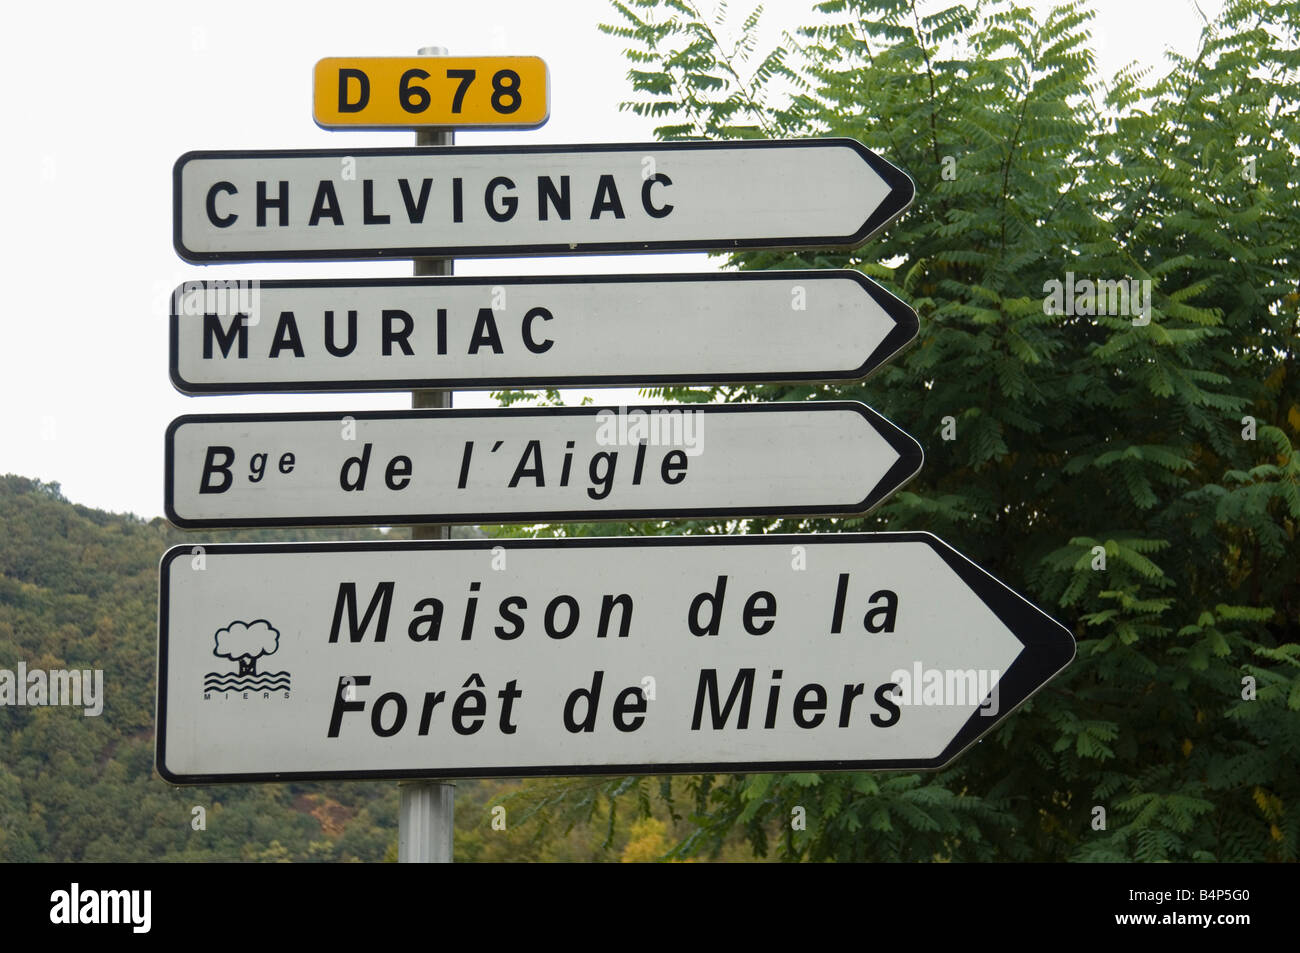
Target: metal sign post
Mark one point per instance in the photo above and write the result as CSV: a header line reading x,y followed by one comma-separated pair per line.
x,y
426,816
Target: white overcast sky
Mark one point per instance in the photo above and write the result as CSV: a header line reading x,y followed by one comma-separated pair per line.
x,y
100,100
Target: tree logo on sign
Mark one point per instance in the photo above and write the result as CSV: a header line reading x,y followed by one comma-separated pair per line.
x,y
244,643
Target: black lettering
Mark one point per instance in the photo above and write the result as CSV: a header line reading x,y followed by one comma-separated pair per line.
x,y
742,691
471,609
651,210
548,620
841,593
758,619
468,711
415,208
485,332
714,600
377,715
673,470
225,338
333,348
559,200
639,464
529,341
426,714
341,703
888,612
509,203
349,483
381,602
325,205
346,103
607,199
624,603
286,336
773,695
508,696
814,705
506,609
533,450
368,214
426,627
846,704
212,466
280,203
885,700
567,464
601,472
393,317
398,474
464,464
221,221
630,701
592,697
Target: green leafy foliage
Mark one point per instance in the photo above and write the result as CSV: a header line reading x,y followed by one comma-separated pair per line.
x,y
1135,472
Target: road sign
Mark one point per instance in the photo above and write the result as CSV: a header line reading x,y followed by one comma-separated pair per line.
x,y
509,658
412,92
460,201
532,465
242,336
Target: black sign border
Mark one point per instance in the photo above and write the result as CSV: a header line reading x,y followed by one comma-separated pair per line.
x,y
901,192
1048,648
911,457
904,332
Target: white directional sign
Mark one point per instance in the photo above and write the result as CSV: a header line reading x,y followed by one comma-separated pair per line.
x,y
241,336
532,465
508,658
531,200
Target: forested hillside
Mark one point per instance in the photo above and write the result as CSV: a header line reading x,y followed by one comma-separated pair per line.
x,y
78,589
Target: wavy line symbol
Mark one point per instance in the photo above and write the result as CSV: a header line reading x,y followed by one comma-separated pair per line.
x,y
232,682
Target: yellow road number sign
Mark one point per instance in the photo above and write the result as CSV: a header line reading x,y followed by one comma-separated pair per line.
x,y
407,92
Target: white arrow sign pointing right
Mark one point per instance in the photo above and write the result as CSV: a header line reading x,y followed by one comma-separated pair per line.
x,y
466,201
587,656
242,336
532,464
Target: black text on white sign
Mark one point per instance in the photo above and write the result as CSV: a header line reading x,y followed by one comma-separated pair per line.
x,y
533,465
587,656
467,201
248,336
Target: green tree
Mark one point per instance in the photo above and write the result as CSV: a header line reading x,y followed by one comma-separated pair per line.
x,y
1162,441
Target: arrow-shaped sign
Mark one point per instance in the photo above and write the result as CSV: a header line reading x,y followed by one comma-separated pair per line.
x,y
242,336
509,658
531,200
533,465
